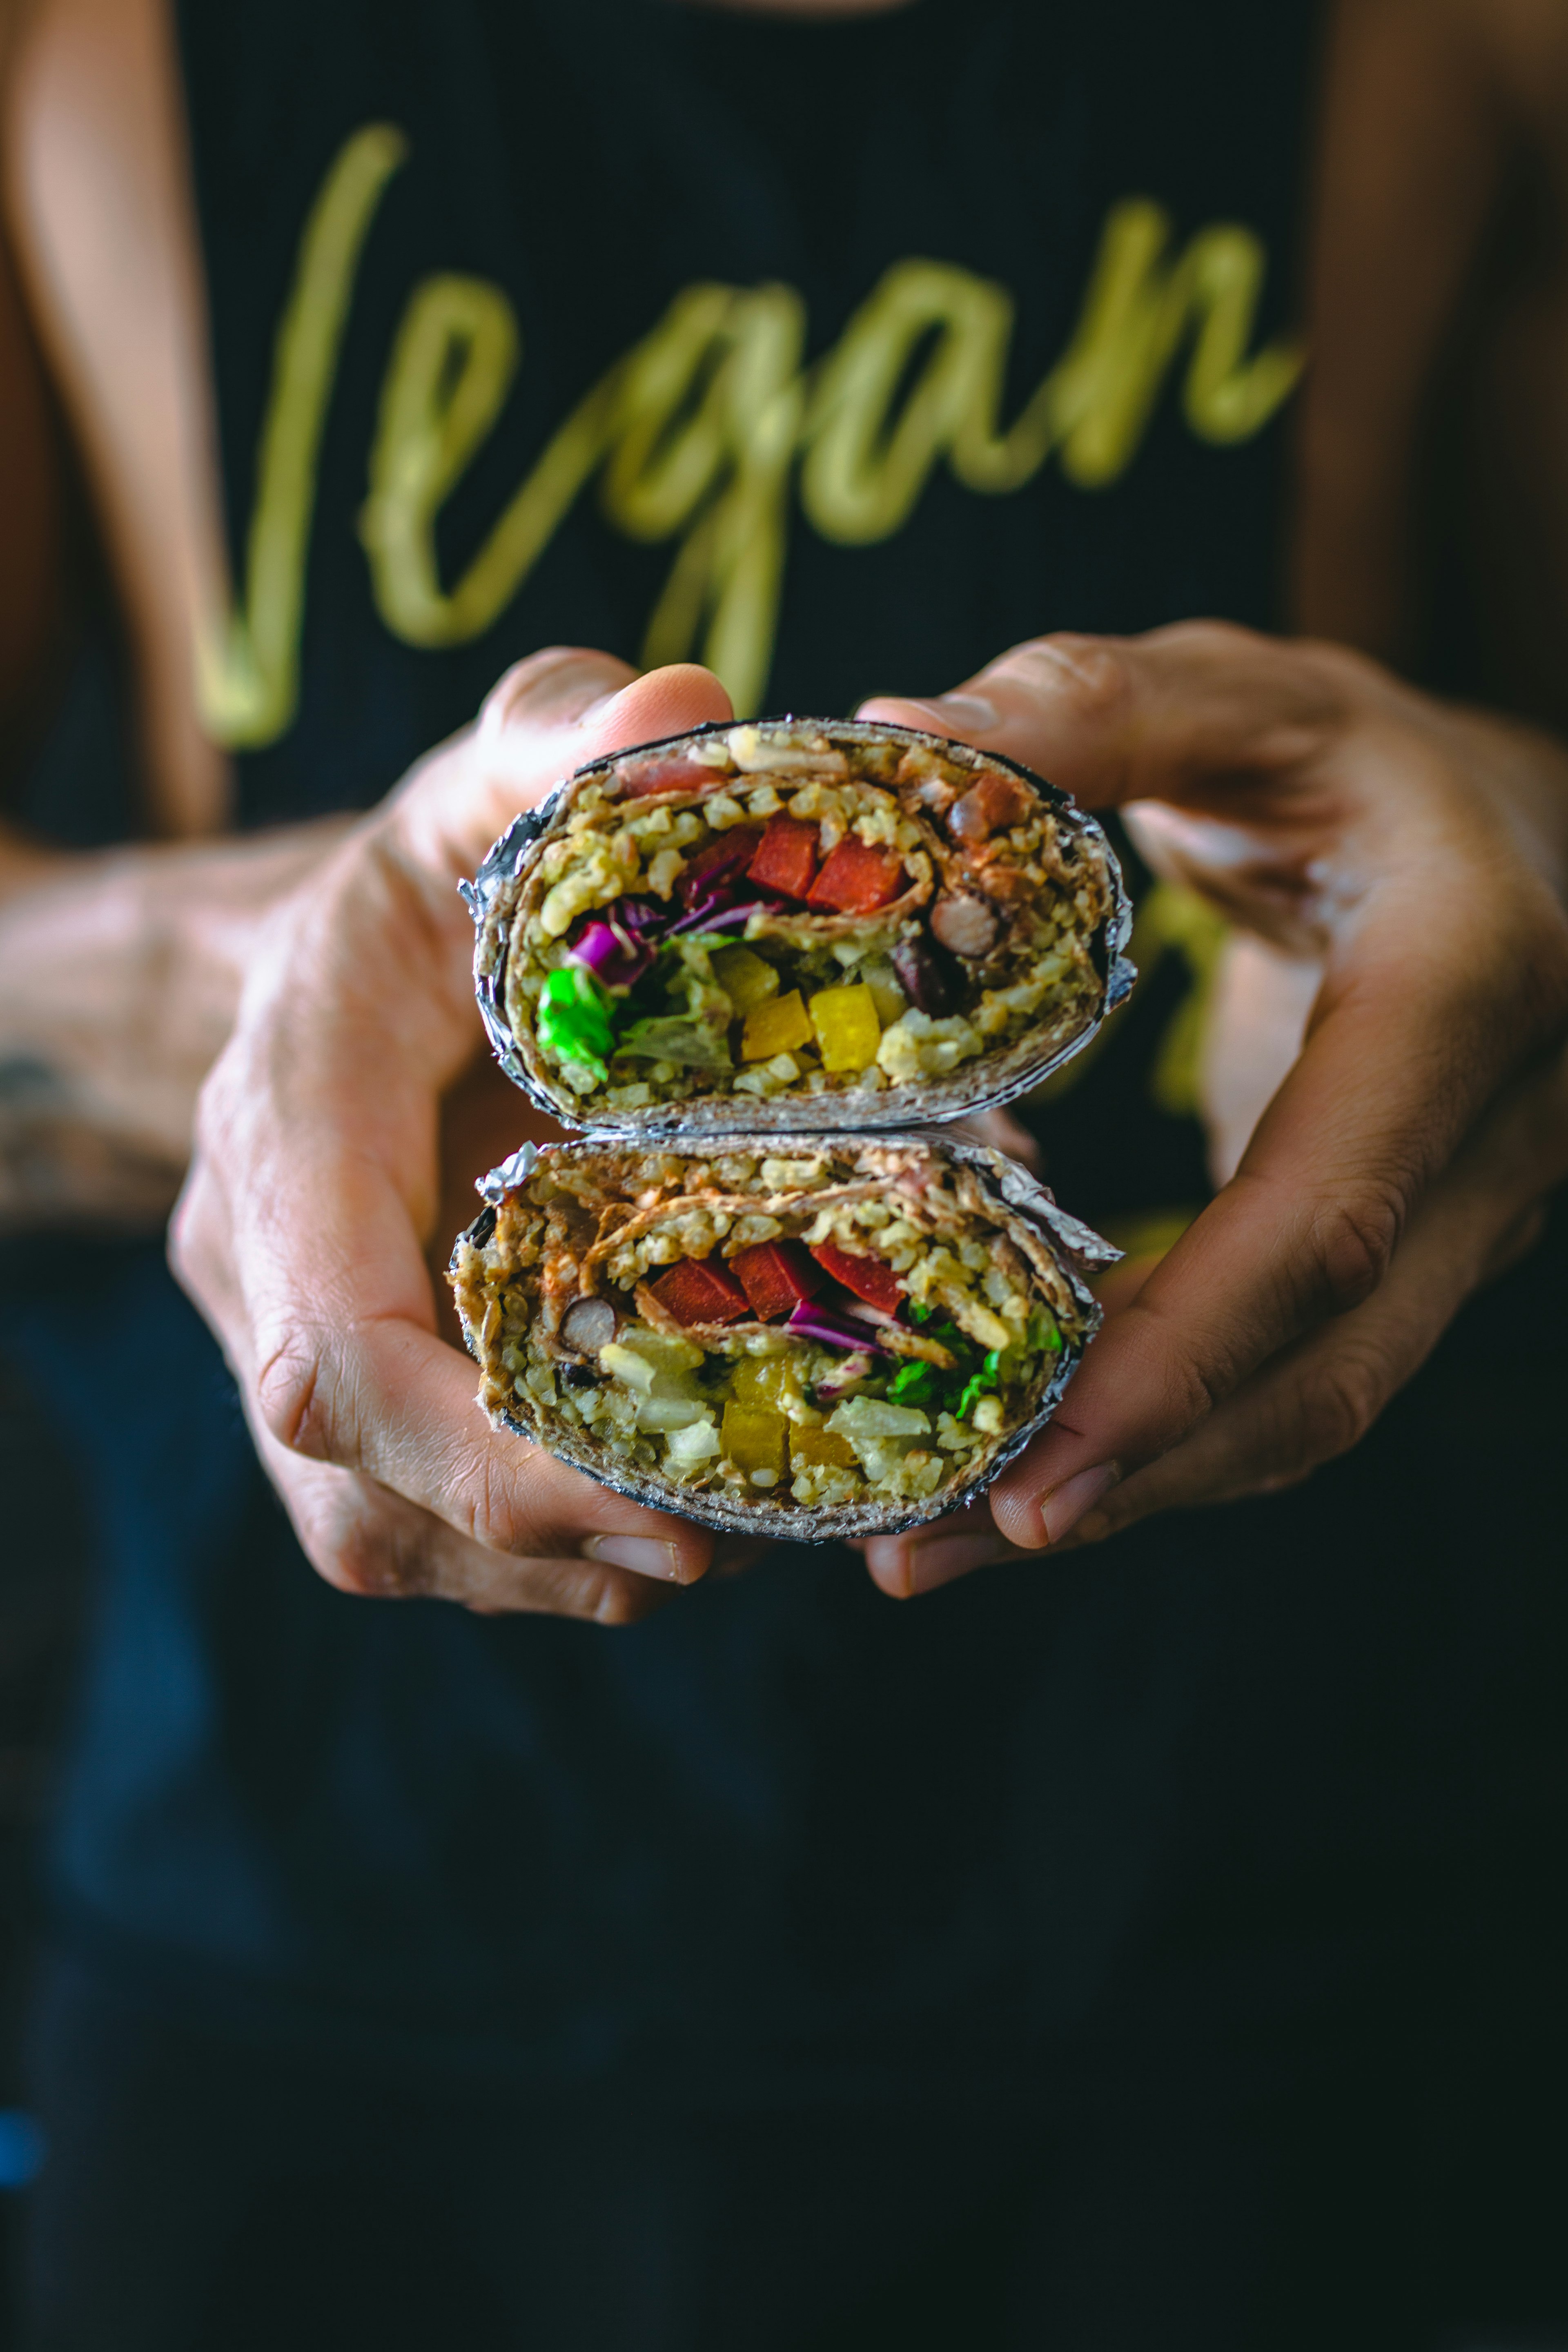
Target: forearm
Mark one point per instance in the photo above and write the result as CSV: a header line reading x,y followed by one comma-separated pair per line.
x,y
119,975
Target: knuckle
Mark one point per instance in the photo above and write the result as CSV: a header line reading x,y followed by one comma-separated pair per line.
x,y
184,1244
293,1397
373,1561
1336,1407
621,1601
1345,670
497,1515
514,684
531,686
362,1540
1353,1240
1087,675
1228,640
612,1605
1193,1387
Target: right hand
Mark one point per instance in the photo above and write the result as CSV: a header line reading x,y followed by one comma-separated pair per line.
x,y
315,1198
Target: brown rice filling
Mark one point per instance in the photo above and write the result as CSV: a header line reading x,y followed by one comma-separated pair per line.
x,y
765,912
689,1319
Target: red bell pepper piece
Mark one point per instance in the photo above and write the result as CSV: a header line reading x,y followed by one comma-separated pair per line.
x,y
776,1276
664,771
857,878
699,1290
788,858
871,1278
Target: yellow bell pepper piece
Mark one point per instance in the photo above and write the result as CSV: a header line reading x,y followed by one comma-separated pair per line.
x,y
779,1026
847,1026
821,1449
760,1381
756,1441
745,979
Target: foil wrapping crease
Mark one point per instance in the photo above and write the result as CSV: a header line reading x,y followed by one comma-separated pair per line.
x,y
984,1084
1015,1198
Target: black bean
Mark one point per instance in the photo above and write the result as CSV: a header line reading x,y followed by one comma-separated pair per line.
x,y
920,976
588,1324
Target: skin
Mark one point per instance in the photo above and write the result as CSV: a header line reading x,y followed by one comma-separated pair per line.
x,y
1418,856
104,402
1400,1164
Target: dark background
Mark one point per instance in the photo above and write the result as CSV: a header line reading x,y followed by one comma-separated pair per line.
x,y
42,1572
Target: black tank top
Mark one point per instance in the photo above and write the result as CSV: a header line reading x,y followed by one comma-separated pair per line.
x,y
840,356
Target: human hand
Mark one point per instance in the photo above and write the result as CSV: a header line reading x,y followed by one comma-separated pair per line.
x,y
1418,852
315,1199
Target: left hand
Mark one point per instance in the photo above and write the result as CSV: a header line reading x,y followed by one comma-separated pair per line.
x,y
1419,852
355,1085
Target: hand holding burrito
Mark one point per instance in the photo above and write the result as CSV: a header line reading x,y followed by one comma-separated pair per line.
x,y
305,1226
1420,852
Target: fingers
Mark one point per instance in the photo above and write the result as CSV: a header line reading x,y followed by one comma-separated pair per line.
x,y
333,1336
302,1231
311,1267
1337,811
368,1541
1122,719
1320,1395
390,1400
921,1559
1403,1055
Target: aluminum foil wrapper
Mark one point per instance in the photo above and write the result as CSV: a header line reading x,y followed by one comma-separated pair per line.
x,y
981,1085
1015,1200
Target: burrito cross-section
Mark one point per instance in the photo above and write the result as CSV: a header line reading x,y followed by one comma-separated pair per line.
x,y
834,1336
796,925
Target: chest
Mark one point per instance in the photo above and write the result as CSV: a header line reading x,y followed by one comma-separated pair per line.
x,y
832,356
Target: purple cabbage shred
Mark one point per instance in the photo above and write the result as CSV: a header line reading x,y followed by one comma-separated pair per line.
x,y
611,945
720,916
811,1320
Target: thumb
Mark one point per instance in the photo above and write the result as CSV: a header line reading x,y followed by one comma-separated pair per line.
x,y
1160,717
549,715
562,707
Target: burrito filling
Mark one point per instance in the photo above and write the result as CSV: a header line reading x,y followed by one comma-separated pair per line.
x,y
844,1325
765,912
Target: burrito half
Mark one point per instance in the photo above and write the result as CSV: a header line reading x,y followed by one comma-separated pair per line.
x,y
796,926
844,1340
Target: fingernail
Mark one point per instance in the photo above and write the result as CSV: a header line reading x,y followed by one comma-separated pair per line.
x,y
572,689
968,714
970,711
1065,1505
942,1558
641,1554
